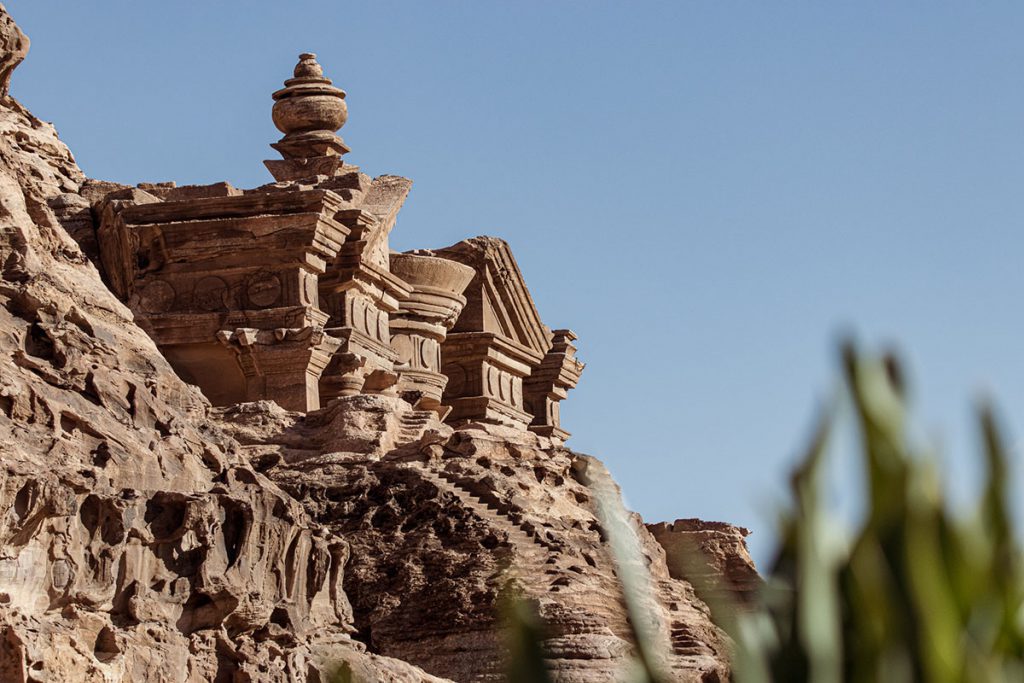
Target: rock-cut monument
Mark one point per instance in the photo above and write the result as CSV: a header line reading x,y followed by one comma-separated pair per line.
x,y
288,292
244,440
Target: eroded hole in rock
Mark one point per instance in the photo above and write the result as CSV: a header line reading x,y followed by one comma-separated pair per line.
x,y
203,611
364,634
280,617
23,306
234,526
130,398
91,392
164,515
289,565
121,613
102,516
23,500
89,513
163,428
38,343
106,648
68,423
383,518
101,455
246,476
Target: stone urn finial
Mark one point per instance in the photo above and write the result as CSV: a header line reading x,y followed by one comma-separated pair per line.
x,y
308,67
309,111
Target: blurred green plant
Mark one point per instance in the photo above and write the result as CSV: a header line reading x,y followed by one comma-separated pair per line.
x,y
917,591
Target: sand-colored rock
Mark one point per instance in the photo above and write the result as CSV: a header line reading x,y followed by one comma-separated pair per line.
x,y
135,542
711,555
234,446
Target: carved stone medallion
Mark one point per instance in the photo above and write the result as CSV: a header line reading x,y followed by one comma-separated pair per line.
x,y
263,289
210,294
157,297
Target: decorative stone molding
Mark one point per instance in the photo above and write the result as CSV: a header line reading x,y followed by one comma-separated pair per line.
x,y
549,384
192,268
285,363
496,341
290,292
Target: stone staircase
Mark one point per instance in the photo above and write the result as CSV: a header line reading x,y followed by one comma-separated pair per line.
x,y
412,424
493,512
688,646
536,555
466,485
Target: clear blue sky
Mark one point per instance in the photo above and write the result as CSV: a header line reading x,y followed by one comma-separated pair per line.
x,y
708,193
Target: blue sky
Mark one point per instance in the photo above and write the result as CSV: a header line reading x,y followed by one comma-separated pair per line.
x,y
707,193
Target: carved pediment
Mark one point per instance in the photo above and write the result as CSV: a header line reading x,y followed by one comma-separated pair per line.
x,y
497,300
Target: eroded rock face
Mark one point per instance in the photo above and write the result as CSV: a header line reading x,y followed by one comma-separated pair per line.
x,y
712,555
135,542
439,527
145,535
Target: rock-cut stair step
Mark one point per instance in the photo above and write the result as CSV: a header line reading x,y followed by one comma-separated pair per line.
x,y
534,554
412,425
465,484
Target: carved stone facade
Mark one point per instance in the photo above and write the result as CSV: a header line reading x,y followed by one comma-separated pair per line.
x,y
290,292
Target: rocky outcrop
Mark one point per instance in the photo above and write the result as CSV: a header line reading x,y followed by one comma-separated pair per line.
x,y
135,541
147,535
440,526
711,555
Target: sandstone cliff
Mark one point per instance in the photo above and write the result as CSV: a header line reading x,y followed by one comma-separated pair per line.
x,y
146,535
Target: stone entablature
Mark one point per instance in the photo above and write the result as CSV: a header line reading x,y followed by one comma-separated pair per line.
x,y
227,286
290,292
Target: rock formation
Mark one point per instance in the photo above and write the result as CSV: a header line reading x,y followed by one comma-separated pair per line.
x,y
243,440
713,556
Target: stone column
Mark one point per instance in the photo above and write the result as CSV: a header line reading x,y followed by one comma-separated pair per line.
x,y
422,321
360,293
283,364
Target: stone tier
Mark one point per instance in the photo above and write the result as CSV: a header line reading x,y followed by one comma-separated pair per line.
x,y
228,287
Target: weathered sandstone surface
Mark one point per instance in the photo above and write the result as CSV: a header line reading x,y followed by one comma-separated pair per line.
x,y
147,534
711,555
